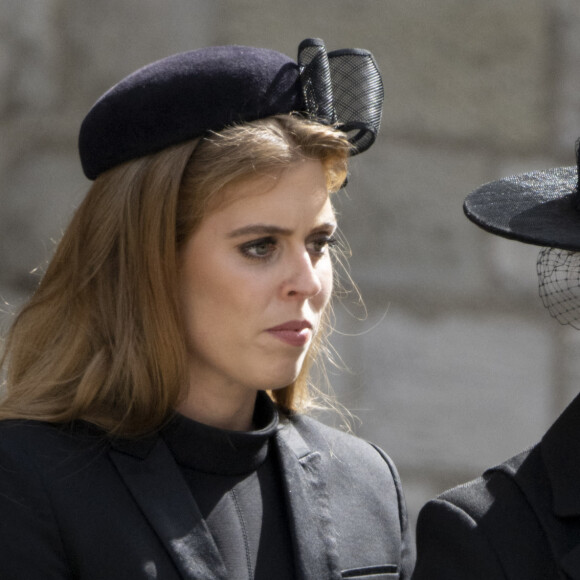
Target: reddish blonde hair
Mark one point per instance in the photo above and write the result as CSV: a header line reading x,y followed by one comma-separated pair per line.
x,y
101,339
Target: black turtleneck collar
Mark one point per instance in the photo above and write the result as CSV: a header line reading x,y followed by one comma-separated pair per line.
x,y
221,451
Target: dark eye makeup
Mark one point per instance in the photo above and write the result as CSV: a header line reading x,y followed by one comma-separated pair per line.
x,y
265,247
259,249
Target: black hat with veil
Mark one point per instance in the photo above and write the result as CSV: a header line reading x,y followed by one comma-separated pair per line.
x,y
540,208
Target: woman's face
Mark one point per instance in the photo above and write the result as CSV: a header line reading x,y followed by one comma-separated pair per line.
x,y
255,279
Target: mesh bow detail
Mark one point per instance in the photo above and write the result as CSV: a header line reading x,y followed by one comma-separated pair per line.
x,y
342,88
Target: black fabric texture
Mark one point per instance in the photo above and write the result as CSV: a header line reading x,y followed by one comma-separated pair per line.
x,y
183,96
519,521
77,504
234,478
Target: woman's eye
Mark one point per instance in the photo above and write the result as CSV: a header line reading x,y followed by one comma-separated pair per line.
x,y
319,245
259,249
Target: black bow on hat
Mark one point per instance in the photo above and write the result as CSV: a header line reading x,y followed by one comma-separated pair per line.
x,y
185,95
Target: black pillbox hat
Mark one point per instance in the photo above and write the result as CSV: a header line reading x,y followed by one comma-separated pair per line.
x,y
209,89
183,96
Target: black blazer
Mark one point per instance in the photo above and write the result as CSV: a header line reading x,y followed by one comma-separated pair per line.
x,y
520,521
74,504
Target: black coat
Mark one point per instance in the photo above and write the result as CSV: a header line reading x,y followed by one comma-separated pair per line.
x,y
520,521
73,504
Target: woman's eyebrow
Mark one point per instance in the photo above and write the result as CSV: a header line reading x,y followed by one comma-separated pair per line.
x,y
268,230
259,229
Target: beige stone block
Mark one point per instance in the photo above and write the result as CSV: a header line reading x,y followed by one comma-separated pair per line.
x,y
111,38
457,392
566,366
404,219
470,70
30,49
511,268
37,198
566,75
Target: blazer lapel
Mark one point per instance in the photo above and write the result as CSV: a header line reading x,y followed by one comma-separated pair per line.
x,y
153,478
560,449
314,539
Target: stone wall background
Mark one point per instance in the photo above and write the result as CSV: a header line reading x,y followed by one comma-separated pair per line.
x,y
456,365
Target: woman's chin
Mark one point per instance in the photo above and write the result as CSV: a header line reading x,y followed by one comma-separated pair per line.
x,y
283,381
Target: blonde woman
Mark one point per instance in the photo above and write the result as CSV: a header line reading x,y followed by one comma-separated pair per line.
x,y
154,418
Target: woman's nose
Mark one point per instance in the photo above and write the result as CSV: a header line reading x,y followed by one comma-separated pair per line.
x,y
303,278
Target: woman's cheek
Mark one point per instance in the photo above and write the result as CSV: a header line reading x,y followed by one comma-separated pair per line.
x,y
327,276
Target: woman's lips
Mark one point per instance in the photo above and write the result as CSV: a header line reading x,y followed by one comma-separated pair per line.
x,y
294,332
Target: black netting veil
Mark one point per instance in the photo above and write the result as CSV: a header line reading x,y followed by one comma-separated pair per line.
x,y
559,284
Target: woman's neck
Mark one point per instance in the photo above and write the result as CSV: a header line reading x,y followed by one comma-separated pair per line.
x,y
224,409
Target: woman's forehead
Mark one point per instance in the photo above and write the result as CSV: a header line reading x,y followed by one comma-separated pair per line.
x,y
299,194
297,183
